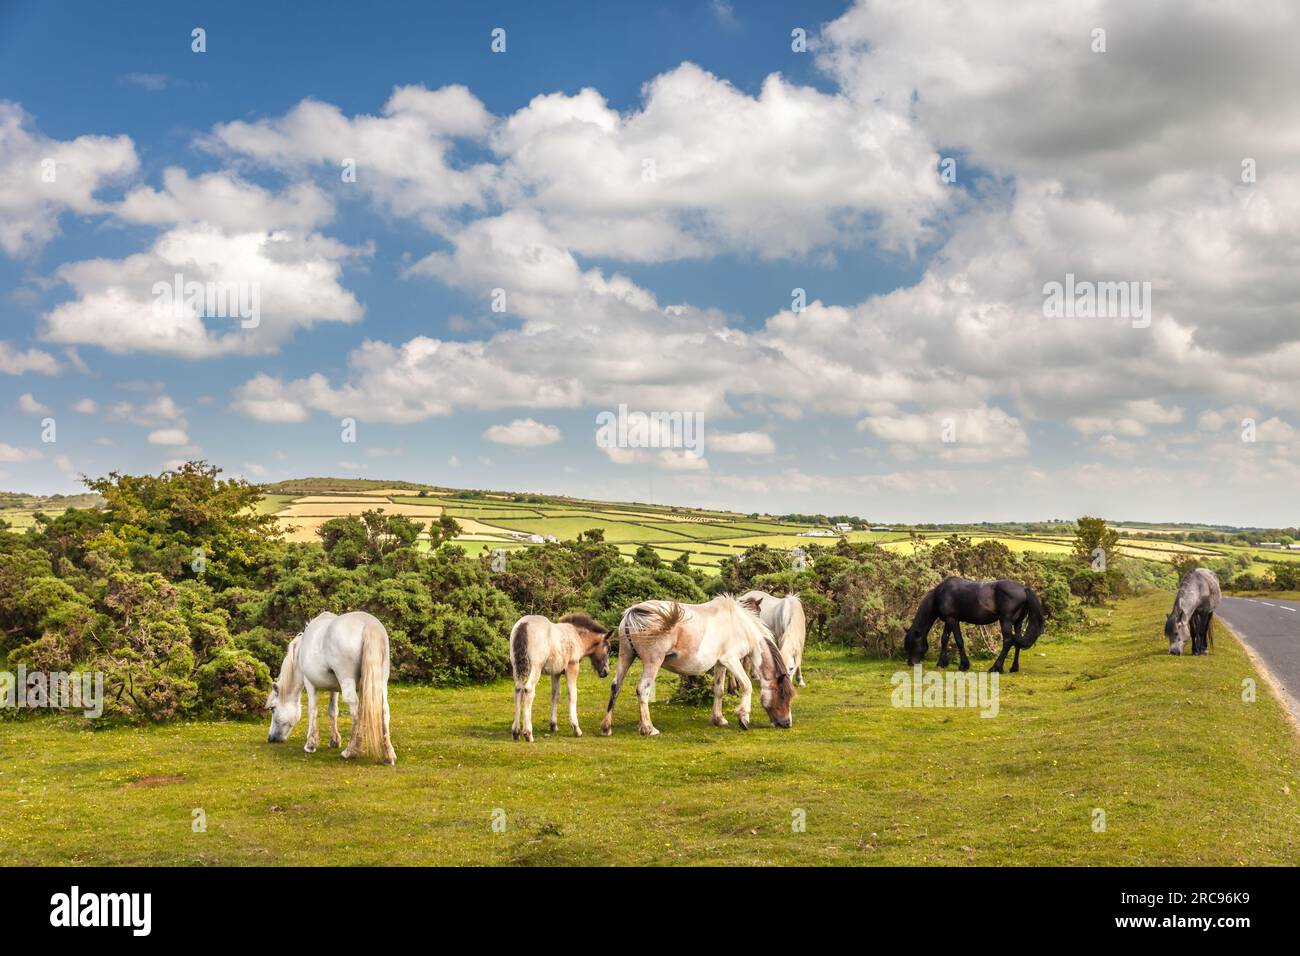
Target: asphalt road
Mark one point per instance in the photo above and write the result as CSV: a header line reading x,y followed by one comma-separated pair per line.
x,y
1272,630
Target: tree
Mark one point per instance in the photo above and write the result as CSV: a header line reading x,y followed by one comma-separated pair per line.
x,y
185,523
648,557
1091,534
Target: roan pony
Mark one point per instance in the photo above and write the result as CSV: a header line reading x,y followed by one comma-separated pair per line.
x,y
957,600
784,617
537,647
1194,605
692,639
344,654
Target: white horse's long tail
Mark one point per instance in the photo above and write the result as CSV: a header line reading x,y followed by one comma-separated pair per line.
x,y
370,690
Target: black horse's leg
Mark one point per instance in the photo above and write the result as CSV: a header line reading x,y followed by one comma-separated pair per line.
x,y
961,647
943,644
1015,660
1008,639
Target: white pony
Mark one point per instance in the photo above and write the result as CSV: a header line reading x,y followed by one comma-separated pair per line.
x,y
539,646
721,636
343,654
784,617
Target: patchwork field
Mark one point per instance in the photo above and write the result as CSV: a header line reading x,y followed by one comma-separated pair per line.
x,y
489,521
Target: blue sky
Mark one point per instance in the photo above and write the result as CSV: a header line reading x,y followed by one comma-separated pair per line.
x,y
647,184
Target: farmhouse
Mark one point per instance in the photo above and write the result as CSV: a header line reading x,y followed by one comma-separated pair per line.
x,y
1270,544
819,533
843,526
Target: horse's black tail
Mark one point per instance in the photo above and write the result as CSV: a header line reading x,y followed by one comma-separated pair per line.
x,y
1036,622
519,651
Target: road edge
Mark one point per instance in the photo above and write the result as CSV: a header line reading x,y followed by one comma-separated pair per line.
x,y
1289,705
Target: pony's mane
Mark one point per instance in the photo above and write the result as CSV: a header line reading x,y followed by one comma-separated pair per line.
x,y
289,667
652,621
583,621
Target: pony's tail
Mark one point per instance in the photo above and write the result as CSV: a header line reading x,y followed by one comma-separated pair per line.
x,y
1035,628
370,690
519,651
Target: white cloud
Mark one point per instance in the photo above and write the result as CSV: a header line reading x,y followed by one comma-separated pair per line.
x,y
169,437
295,279
30,204
225,202
86,406
18,362
9,454
28,405
740,443
155,412
403,157
964,435
523,433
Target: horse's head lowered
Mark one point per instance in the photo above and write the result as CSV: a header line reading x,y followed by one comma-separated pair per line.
x,y
915,643
597,638
1176,630
776,690
284,703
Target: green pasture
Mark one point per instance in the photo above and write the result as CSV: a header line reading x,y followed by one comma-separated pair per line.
x,y
1184,771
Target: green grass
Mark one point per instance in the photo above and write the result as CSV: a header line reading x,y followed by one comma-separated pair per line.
x,y
1186,772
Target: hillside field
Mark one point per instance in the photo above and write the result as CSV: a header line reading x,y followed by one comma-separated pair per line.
x,y
499,521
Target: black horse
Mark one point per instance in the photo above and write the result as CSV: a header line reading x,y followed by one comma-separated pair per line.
x,y
956,600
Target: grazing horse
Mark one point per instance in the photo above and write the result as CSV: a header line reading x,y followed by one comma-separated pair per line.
x,y
784,617
692,639
957,600
539,647
1194,605
344,654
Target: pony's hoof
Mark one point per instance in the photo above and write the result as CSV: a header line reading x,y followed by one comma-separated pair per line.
x,y
942,662
309,748
718,721
336,742
995,670
964,666
606,731
801,683
346,755
528,737
554,726
577,731
390,758
649,732
743,722
1014,670
515,734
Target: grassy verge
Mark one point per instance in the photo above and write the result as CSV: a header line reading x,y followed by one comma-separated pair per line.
x,y
1186,772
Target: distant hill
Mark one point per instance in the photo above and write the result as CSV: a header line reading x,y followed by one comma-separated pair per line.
x,y
21,501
